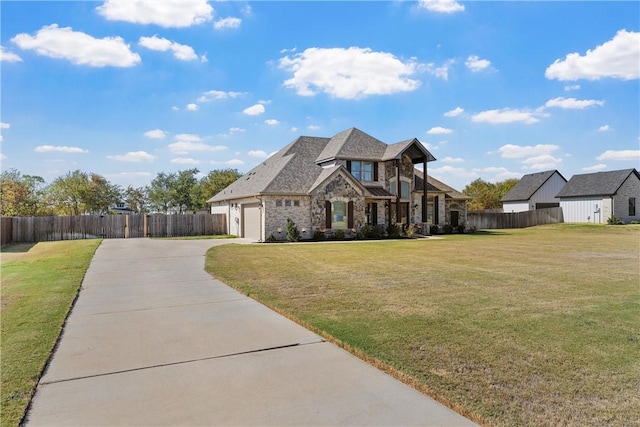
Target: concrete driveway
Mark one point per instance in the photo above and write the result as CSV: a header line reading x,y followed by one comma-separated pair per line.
x,y
154,340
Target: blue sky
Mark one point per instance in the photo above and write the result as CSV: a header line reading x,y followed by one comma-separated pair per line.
x,y
495,90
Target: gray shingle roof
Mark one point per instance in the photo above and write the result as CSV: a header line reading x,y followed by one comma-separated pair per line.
x,y
291,170
352,144
528,185
412,147
596,184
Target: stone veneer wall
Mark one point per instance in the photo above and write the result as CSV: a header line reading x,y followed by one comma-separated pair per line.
x,y
406,171
276,216
337,189
630,188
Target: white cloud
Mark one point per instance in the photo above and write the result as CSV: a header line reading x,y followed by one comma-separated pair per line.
x,y
254,110
439,130
595,168
348,73
218,94
313,127
236,129
155,134
442,71
542,162
497,173
452,160
294,129
441,6
572,103
78,47
505,115
604,128
451,170
4,125
257,153
3,157
617,58
184,147
180,51
224,23
190,137
235,162
511,151
192,107
288,50
165,13
185,161
175,108
620,155
455,112
571,87
134,157
475,63
8,56
59,149
272,122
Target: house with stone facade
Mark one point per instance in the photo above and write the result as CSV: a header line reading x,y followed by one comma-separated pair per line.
x,y
339,183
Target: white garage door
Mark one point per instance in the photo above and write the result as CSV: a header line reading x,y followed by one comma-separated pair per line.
x,y
251,222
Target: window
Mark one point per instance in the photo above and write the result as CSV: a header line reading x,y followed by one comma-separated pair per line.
x,y
287,203
338,215
404,188
278,203
296,203
632,206
362,171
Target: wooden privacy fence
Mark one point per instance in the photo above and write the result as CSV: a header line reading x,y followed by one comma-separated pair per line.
x,y
48,228
492,220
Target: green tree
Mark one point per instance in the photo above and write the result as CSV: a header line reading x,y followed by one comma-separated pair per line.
x,y
185,189
487,195
214,182
160,192
136,199
78,193
21,195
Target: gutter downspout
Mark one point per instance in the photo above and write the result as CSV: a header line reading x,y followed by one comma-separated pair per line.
x,y
260,208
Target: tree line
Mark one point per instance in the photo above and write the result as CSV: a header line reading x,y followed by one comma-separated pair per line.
x,y
487,195
79,193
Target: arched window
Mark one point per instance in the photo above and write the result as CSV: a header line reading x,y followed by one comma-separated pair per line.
x,y
405,188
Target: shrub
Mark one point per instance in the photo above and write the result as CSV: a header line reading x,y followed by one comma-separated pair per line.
x,y
447,229
293,235
635,221
411,231
318,235
339,234
393,231
270,238
460,228
614,220
434,229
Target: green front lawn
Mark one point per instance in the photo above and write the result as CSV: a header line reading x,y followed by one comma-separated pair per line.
x,y
39,283
537,326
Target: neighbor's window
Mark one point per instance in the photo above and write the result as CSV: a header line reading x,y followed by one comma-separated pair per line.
x,y
632,206
296,203
287,203
362,171
278,202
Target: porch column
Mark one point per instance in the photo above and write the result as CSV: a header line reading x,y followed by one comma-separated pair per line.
x,y
397,191
424,190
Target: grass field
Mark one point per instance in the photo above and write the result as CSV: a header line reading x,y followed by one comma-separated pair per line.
x,y
537,326
39,284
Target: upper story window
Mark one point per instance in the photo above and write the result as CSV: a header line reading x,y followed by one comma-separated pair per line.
x,y
404,188
363,171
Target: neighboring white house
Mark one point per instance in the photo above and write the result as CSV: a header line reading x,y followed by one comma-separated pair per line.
x,y
534,191
596,197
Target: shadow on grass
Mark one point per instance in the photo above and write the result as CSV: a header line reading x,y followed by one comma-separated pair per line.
x,y
14,248
489,233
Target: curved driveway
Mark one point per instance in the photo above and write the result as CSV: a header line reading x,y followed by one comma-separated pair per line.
x,y
154,340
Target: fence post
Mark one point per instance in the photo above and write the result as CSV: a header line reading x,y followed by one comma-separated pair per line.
x,y
126,226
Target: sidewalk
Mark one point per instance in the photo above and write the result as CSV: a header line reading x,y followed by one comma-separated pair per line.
x,y
154,340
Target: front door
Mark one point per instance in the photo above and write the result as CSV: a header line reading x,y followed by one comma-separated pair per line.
x,y
404,213
454,218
